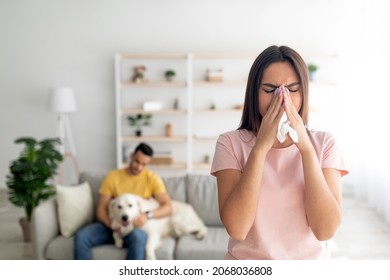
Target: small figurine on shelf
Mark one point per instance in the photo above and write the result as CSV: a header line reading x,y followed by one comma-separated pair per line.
x,y
139,75
139,121
176,104
170,74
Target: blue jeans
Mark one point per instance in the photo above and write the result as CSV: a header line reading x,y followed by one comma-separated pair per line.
x,y
98,234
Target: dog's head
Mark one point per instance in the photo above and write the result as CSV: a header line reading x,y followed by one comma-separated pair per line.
x,y
124,209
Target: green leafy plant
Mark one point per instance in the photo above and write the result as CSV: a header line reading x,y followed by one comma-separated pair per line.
x,y
29,173
169,74
312,67
140,120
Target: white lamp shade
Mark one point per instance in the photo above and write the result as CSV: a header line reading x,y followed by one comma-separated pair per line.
x,y
62,100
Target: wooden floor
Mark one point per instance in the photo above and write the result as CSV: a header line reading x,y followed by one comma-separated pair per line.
x,y
363,235
12,246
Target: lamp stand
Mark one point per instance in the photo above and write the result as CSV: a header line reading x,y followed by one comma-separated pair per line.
x,y
64,133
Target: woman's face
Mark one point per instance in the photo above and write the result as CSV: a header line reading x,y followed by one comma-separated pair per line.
x,y
275,75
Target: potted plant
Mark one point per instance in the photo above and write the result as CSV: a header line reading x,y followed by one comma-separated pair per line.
x,y
312,68
170,74
139,121
29,174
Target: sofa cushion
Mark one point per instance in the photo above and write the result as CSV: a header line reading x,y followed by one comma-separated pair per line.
x,y
176,187
75,207
110,252
212,247
202,195
94,180
61,248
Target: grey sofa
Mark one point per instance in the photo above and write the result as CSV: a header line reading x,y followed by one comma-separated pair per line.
x,y
198,190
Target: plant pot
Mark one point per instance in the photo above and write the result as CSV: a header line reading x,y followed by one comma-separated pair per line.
x,y
138,133
312,76
26,229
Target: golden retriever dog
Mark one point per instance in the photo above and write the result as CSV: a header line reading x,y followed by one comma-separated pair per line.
x,y
124,209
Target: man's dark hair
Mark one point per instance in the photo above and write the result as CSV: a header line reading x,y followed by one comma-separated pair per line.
x,y
145,149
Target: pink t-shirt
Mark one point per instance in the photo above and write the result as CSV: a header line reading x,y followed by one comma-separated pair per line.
x,y
280,230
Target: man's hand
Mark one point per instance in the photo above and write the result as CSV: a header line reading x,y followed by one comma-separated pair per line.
x,y
140,221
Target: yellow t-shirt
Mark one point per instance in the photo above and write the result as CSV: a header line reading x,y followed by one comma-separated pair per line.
x,y
119,181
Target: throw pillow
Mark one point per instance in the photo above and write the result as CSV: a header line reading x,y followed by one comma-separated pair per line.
x,y
75,207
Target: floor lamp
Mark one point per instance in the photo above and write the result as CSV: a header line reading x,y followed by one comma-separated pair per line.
x,y
62,102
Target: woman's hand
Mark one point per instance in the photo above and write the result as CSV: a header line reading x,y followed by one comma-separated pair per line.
x,y
296,121
269,125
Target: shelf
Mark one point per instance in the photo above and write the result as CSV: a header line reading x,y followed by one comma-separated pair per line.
x,y
216,111
190,82
153,56
225,55
201,165
126,112
173,84
154,139
218,84
205,138
175,165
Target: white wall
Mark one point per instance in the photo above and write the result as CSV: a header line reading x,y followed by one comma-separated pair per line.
x,y
48,43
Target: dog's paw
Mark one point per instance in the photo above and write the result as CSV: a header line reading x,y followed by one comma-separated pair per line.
x,y
151,256
201,234
119,243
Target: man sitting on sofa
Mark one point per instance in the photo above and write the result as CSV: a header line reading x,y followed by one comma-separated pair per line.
x,y
135,179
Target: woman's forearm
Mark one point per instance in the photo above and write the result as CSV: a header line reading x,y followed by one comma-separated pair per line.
x,y
240,206
323,210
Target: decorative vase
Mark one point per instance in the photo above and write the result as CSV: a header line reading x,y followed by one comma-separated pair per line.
x,y
26,229
312,75
168,130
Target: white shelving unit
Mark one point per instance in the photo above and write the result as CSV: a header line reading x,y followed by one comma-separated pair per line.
x,y
130,97
216,106
203,113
